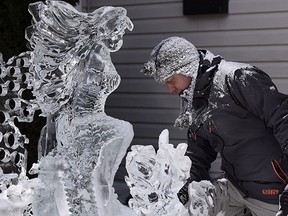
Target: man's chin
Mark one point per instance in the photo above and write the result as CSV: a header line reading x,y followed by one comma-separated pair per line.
x,y
182,93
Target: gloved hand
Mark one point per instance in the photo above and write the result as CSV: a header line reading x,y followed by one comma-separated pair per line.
x,y
283,203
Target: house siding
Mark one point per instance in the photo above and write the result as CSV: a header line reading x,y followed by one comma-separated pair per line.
x,y
254,31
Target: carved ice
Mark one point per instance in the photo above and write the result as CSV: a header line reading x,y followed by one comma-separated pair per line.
x,y
206,198
15,82
71,55
155,178
15,91
74,75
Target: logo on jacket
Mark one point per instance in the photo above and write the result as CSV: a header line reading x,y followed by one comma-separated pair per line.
x,y
270,191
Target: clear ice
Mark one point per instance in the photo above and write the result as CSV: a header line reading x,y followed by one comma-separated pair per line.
x,y
206,198
74,75
70,73
15,87
15,82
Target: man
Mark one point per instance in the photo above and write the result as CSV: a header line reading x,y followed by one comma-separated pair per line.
x,y
233,109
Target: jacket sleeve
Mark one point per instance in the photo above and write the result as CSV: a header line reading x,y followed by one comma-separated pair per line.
x,y
202,155
255,91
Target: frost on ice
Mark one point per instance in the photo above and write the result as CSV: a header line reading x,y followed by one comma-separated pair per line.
x,y
71,74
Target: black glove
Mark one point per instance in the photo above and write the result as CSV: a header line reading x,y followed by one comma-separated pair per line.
x,y
183,194
283,203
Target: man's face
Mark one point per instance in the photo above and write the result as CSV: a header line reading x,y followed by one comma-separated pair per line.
x,y
177,83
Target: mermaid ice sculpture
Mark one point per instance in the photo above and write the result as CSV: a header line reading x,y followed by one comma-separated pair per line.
x,y
74,75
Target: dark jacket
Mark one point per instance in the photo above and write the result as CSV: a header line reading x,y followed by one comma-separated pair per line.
x,y
241,115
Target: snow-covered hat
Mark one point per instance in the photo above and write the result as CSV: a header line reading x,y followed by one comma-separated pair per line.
x,y
174,55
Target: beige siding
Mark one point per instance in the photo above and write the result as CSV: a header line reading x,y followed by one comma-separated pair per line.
x,y
254,31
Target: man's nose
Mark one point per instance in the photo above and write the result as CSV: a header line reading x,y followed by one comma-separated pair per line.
x,y
171,88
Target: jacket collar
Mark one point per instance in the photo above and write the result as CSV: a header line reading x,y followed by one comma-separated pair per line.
x,y
208,65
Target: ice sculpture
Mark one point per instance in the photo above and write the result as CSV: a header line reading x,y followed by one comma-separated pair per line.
x,y
16,103
15,82
154,180
206,198
16,196
74,75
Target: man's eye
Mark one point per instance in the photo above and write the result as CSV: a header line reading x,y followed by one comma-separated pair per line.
x,y
172,81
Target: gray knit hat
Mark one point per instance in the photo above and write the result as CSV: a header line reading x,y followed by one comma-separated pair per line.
x,y
174,55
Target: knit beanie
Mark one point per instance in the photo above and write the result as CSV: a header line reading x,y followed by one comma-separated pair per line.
x,y
175,55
